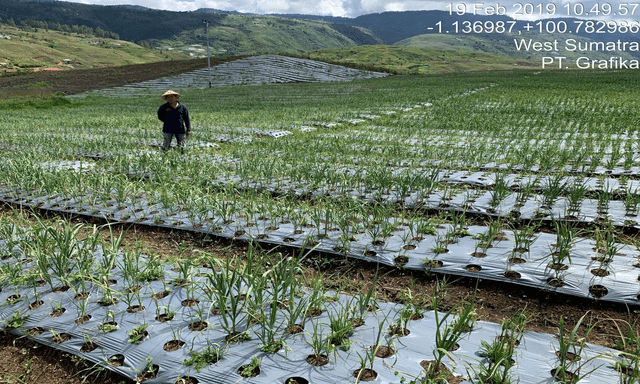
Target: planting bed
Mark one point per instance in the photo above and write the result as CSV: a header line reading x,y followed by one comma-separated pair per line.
x,y
523,256
103,297
446,175
249,71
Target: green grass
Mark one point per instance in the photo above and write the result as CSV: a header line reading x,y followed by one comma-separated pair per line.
x,y
418,60
47,48
502,45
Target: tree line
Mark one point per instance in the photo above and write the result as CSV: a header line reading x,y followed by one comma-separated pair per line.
x,y
65,28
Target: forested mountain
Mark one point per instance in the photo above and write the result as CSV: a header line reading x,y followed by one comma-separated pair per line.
x,y
233,33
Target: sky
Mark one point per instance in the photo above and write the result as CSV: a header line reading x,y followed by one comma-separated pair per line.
x,y
354,8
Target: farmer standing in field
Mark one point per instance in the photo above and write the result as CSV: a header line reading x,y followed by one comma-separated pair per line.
x,y
175,118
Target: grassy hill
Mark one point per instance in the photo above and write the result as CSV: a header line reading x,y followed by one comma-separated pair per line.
x,y
243,34
231,33
40,48
500,44
414,60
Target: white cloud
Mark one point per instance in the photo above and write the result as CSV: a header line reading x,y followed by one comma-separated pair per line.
x,y
345,8
354,8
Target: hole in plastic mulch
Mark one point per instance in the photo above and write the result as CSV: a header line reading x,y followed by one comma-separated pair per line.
x,y
164,317
473,268
317,360
400,331
61,337
35,331
88,346
384,351
295,329
148,375
296,380
173,345
57,312
512,275
187,380
555,282
598,291
135,308
13,298
401,261
365,374
198,326
116,360
189,302
83,319
245,372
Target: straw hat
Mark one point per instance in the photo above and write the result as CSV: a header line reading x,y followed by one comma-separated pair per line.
x,y
170,92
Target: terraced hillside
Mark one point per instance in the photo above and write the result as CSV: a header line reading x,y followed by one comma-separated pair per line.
x,y
256,70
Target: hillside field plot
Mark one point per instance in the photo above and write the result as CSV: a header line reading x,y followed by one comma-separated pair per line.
x,y
530,179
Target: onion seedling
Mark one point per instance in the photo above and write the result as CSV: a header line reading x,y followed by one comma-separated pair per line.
x,y
282,275
368,358
448,334
628,364
496,370
149,371
316,298
604,197
321,345
555,187
523,239
152,269
81,305
631,201
566,237
130,265
570,348
109,324
264,310
607,246
440,245
500,352
427,227
228,287
296,310
269,330
341,325
459,223
575,194
500,191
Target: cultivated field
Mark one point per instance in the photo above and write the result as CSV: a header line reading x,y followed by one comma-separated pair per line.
x,y
440,220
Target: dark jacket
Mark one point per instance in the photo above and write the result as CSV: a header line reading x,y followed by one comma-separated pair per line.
x,y
176,120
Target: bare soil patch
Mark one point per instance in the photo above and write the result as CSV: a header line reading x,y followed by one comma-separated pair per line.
x,y
77,81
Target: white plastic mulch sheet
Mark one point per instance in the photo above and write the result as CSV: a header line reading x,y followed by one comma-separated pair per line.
x,y
535,268
254,70
534,358
531,208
